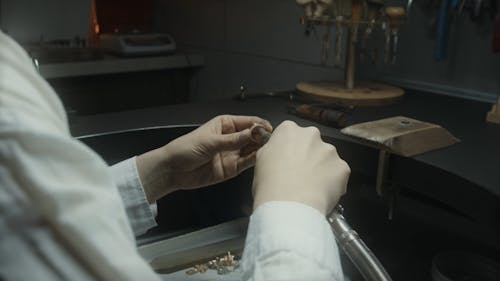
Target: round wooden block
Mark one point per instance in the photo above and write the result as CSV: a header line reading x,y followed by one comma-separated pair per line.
x,y
363,94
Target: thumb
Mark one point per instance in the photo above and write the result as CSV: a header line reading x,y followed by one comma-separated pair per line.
x,y
234,141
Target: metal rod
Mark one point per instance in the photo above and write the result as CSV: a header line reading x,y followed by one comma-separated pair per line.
x,y
382,170
357,251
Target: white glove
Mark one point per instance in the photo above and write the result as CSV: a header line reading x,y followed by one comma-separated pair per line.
x,y
296,165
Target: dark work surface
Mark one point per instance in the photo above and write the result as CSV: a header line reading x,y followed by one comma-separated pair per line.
x,y
476,158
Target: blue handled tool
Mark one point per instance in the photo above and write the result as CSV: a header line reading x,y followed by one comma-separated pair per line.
x,y
443,25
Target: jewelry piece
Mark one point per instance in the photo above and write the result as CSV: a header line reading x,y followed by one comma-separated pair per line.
x,y
225,265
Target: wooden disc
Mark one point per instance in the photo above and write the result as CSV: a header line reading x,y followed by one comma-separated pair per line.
x,y
363,94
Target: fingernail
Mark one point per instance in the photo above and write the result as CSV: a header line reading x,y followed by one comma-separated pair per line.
x,y
259,134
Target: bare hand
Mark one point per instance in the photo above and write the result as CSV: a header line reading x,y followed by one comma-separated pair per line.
x,y
218,150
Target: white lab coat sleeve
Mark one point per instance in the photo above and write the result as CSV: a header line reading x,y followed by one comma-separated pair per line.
x,y
68,216
139,212
290,241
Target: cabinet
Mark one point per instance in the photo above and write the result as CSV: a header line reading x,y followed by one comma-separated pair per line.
x,y
111,84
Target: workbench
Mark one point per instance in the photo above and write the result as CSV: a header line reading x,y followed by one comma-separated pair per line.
x,y
455,190
475,159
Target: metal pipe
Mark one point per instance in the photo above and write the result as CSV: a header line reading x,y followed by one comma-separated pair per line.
x,y
357,251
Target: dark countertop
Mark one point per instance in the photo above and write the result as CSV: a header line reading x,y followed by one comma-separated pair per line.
x,y
476,158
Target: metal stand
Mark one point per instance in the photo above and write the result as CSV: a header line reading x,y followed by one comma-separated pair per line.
x,y
353,15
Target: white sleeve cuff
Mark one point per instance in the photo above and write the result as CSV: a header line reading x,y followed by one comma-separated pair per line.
x,y
140,213
278,228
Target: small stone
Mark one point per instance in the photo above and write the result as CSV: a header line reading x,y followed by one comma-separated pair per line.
x,y
191,271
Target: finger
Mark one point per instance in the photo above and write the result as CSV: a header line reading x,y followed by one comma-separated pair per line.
x,y
246,162
239,123
234,141
287,128
249,148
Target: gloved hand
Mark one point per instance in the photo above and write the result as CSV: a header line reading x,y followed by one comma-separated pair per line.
x,y
216,151
296,165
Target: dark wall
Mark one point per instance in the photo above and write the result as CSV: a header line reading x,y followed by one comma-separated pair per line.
x,y
262,45
28,20
471,69
256,43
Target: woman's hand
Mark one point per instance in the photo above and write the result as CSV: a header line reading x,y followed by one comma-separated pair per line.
x,y
218,150
296,165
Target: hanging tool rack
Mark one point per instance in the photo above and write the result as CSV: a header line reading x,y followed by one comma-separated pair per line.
x,y
362,20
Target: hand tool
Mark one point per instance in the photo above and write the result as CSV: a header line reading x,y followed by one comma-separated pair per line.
x,y
408,7
366,32
376,6
387,44
326,116
395,16
351,47
355,18
326,44
373,8
339,18
442,32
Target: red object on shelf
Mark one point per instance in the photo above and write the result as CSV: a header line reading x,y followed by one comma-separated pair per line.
x,y
119,16
124,16
496,34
